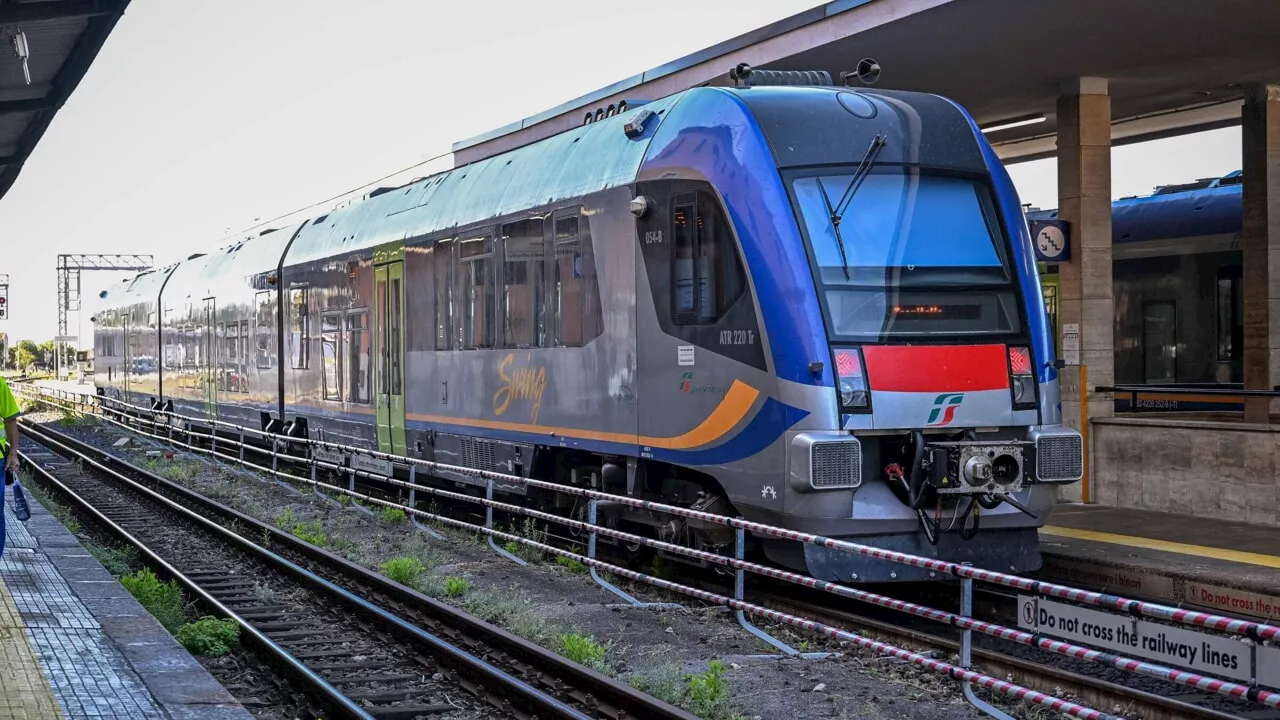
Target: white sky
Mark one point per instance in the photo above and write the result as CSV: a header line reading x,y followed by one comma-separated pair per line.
x,y
201,117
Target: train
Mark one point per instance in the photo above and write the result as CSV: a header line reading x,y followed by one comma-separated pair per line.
x,y
803,303
1178,296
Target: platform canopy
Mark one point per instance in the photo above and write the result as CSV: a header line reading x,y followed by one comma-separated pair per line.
x,y
1173,66
46,47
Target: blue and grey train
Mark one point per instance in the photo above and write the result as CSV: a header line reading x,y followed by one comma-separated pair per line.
x,y
811,306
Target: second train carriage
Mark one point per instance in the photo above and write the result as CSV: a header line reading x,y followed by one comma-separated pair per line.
x,y
814,307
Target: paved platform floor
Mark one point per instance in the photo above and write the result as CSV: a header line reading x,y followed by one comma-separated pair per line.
x,y
1228,567
75,644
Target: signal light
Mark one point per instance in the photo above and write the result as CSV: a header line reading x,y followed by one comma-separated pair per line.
x,y
851,381
1022,381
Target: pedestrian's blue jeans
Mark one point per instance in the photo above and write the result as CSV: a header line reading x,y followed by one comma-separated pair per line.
x,y
3,490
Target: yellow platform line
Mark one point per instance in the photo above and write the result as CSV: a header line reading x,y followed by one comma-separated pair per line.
x,y
1237,556
24,692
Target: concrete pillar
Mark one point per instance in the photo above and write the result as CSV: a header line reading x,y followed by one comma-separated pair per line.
x,y
1260,146
1085,282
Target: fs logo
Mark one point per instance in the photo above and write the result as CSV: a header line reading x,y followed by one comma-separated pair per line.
x,y
944,408
686,382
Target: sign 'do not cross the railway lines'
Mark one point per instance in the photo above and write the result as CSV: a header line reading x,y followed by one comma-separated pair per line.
x,y
1195,650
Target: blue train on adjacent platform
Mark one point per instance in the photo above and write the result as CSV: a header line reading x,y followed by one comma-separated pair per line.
x,y
812,306
1178,295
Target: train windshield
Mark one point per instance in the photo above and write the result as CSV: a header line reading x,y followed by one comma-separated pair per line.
x,y
903,254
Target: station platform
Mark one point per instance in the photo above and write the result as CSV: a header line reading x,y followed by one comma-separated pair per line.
x,y
1213,565
75,644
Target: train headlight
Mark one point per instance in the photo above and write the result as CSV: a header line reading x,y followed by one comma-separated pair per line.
x,y
1022,381
851,381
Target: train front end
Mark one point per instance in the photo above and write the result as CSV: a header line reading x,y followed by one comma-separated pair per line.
x,y
947,421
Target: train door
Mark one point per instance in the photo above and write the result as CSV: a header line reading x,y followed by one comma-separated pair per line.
x,y
389,334
209,358
126,367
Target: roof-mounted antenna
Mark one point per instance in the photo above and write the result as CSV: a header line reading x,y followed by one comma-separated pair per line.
x,y
868,72
746,76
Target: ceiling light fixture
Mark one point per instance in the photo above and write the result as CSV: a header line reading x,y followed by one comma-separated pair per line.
x,y
22,51
1013,123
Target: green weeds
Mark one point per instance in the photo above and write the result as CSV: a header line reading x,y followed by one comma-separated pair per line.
x,y
584,650
163,600
456,586
404,570
312,532
704,694
116,561
392,516
209,636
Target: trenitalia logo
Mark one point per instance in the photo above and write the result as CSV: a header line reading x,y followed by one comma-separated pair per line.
x,y
944,408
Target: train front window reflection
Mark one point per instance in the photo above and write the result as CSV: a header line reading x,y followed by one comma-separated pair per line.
x,y
921,255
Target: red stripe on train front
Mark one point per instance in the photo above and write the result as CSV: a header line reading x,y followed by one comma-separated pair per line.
x,y
936,368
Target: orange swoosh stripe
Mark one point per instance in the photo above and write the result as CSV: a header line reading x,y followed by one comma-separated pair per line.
x,y
731,410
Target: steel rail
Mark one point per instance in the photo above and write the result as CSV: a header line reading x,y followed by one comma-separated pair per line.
x,y
458,656
617,693
328,694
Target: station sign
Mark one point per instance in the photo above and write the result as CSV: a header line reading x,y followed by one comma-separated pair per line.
x,y
1202,652
4,302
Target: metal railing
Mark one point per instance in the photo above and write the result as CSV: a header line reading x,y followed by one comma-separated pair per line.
x,y
1216,390
181,431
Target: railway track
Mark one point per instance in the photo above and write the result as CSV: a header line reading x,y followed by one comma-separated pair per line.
x,y
356,643
1096,685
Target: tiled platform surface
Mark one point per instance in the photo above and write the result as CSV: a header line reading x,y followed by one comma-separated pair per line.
x,y
75,644
1217,565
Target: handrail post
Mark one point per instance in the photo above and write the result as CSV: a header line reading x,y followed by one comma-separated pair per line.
x,y
966,653
413,504
628,598
241,445
739,594
488,524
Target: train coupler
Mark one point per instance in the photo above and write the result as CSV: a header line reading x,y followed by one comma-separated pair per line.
x,y
975,468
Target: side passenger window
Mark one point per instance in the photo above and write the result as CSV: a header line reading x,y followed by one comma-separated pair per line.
x,y
300,328
475,287
575,292
707,274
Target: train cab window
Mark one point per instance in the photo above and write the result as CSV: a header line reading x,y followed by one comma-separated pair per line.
x,y
358,352
300,328
330,357
523,254
575,296
475,285
440,260
707,274
264,329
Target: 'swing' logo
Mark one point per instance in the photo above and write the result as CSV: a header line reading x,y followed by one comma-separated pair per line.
x,y
944,408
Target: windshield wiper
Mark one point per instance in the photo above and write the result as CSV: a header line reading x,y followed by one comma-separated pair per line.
x,y
837,211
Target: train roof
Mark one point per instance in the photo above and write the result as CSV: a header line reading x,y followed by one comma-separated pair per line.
x,y
251,256
143,287
588,159
1208,207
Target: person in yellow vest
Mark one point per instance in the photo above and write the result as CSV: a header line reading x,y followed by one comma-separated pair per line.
x,y
9,412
